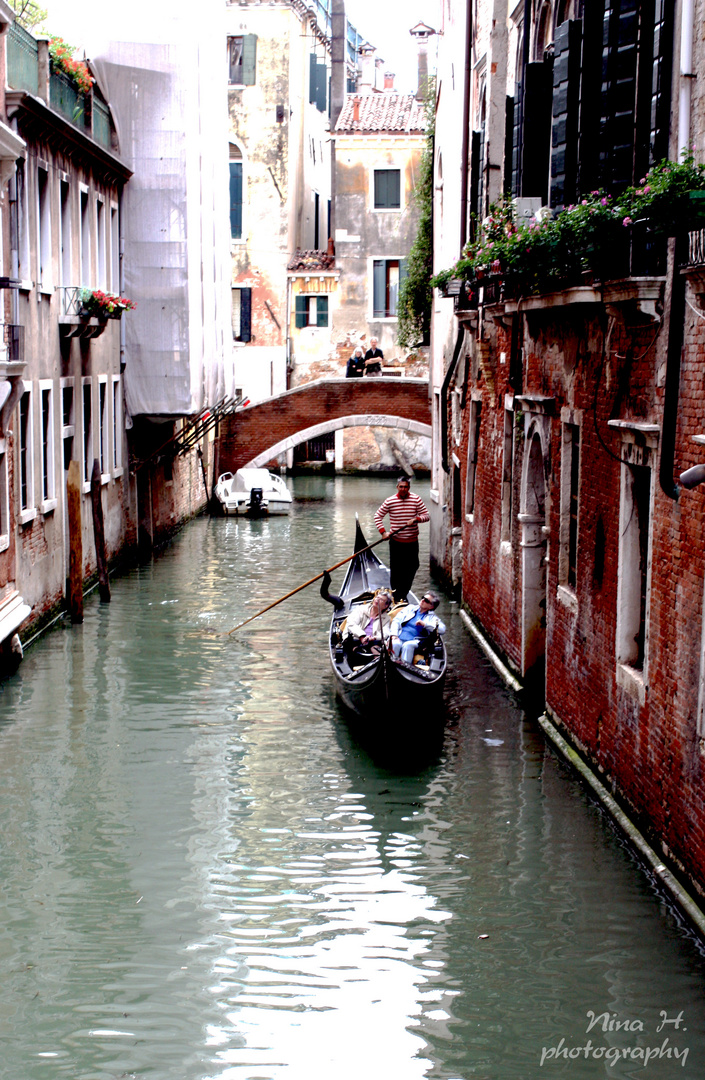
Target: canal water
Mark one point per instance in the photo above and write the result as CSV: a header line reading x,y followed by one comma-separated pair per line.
x,y
205,874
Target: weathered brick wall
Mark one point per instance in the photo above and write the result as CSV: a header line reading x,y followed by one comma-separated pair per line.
x,y
254,430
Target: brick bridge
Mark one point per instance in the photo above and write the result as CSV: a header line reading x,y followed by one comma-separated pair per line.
x,y
260,432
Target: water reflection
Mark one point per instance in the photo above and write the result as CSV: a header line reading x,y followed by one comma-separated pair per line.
x,y
205,873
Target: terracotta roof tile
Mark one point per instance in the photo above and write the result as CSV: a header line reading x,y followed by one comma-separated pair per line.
x,y
391,113
311,260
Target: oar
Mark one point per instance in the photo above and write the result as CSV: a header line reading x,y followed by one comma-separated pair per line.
x,y
316,578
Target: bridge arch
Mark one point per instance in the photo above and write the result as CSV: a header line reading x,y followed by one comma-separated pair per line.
x,y
258,433
413,427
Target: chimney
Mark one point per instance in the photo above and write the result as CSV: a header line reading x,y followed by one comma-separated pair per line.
x,y
422,33
366,81
338,82
389,80
356,110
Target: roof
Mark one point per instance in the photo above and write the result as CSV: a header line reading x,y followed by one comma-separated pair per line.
x,y
390,113
311,261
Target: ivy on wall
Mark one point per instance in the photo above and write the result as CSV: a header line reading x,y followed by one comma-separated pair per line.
x,y
415,291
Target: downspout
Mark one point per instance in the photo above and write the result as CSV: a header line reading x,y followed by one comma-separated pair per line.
x,y
444,397
465,148
678,285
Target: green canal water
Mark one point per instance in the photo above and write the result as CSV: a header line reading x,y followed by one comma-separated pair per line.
x,y
204,874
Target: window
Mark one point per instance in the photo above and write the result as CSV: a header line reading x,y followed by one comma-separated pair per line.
x,y
65,223
4,499
235,193
311,311
85,240
46,391
242,314
507,473
114,249
26,487
25,273
102,275
103,429
318,83
68,428
387,275
43,229
117,425
570,486
387,189
634,557
473,446
87,418
242,60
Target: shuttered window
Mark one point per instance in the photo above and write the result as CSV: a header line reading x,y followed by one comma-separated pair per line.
x,y
242,314
387,275
310,311
236,200
242,60
387,185
318,83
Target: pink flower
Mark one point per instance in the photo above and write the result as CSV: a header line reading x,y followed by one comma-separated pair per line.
x,y
604,202
646,190
627,221
584,202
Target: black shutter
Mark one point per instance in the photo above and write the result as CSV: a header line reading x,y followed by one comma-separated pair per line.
x,y
516,141
245,314
661,80
508,146
566,113
589,174
475,143
618,99
536,137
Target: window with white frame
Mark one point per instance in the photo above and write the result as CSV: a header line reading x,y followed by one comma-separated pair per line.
x,y
85,239
103,429
117,424
241,314
23,253
48,484
87,431
101,269
114,249
507,470
65,240
44,274
569,501
473,447
68,423
633,574
4,499
311,310
387,189
387,275
26,456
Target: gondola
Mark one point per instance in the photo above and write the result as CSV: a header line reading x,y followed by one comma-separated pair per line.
x,y
382,687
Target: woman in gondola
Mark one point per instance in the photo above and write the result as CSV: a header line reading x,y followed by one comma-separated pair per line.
x,y
367,627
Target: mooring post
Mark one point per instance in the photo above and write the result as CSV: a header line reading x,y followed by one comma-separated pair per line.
x,y
74,590
99,533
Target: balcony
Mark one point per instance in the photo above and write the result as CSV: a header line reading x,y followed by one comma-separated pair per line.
x,y
694,267
13,343
74,320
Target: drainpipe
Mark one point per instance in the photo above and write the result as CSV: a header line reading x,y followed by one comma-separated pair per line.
x,y
465,146
444,397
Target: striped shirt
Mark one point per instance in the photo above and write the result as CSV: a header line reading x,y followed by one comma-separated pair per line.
x,y
401,512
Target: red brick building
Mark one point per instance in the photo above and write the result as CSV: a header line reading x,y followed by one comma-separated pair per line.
x,y
563,420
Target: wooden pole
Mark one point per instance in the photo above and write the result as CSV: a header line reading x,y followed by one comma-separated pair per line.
x,y
316,578
99,533
75,582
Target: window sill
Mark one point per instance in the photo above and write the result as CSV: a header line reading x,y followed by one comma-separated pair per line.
x,y
470,518
105,478
117,473
434,496
25,516
505,547
25,285
567,597
48,506
86,487
383,318
632,681
386,209
4,542
45,290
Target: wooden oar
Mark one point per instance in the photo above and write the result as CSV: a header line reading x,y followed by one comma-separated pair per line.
x,y
316,578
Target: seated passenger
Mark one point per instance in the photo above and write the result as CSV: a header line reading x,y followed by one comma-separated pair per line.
x,y
414,626
367,626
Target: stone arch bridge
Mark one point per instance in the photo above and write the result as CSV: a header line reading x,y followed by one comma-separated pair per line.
x,y
260,432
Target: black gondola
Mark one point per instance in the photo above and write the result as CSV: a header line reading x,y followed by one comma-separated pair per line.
x,y
383,687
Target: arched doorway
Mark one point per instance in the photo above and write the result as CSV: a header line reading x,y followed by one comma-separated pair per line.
x,y
533,544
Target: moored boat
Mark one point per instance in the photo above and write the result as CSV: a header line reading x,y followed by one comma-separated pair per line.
x,y
254,492
396,695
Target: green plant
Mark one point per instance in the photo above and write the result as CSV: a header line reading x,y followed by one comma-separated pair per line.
x,y
27,13
62,60
416,292
103,305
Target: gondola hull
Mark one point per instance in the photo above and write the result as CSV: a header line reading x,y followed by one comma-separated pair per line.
x,y
386,692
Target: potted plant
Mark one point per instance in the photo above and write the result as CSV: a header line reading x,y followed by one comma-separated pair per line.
x,y
62,60
101,305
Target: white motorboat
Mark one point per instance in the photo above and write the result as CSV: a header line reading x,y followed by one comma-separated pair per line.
x,y
255,492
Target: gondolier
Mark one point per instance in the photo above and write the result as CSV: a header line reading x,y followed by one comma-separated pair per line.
x,y
405,511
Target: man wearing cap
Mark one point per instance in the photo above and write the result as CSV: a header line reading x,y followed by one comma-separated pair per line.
x,y
413,625
405,511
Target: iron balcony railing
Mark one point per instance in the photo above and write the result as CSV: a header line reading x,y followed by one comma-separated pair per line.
x,y
13,341
696,248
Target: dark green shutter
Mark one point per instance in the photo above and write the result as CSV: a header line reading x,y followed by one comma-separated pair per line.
x,y
379,290
245,314
321,86
301,311
566,113
536,149
236,200
249,59
322,311
312,78
387,189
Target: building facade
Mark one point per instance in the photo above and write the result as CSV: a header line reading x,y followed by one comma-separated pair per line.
x,y
564,418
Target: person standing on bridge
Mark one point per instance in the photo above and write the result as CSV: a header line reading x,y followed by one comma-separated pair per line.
x,y
373,358
405,511
356,365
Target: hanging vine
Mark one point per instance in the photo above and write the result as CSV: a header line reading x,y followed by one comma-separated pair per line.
x,y
415,291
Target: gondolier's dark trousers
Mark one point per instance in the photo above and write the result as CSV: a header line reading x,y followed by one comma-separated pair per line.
x,y
403,564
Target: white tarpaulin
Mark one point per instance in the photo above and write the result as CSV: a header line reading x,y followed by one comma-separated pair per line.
x,y
164,70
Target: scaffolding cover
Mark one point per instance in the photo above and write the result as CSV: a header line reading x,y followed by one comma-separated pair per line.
x,y
163,67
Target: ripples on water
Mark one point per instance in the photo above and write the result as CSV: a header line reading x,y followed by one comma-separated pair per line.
x,y
203,874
